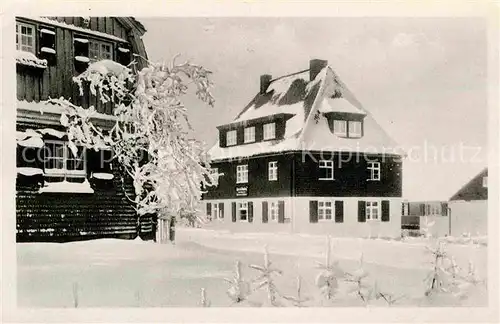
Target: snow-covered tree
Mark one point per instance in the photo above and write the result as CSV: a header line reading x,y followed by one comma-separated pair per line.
x,y
151,138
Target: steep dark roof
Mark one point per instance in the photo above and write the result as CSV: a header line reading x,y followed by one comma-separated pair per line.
x,y
474,189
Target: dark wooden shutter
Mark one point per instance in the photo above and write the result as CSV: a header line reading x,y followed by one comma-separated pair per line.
x,y
209,210
281,211
361,211
233,209
250,212
422,209
339,211
313,211
221,211
265,211
81,50
47,44
123,54
222,138
385,211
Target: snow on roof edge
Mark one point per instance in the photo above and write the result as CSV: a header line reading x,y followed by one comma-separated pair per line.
x,y
54,109
75,28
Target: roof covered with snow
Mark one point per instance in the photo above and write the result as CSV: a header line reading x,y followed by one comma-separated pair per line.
x,y
308,101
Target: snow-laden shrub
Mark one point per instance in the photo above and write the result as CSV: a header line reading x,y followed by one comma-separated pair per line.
x,y
151,139
239,289
327,280
265,279
447,278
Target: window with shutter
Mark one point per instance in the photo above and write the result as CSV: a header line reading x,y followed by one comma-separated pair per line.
x,y
264,212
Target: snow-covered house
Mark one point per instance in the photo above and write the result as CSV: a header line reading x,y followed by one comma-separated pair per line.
x,y
305,156
469,207
60,196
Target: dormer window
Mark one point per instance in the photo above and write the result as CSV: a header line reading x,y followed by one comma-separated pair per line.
x,y
231,138
340,128
485,182
355,129
249,134
269,131
25,37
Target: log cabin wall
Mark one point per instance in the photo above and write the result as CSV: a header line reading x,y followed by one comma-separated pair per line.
x,y
37,84
61,217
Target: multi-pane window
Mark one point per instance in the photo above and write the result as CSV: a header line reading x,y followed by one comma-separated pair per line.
x,y
325,210
273,171
273,211
249,134
25,37
372,210
326,167
243,211
485,182
61,162
242,173
340,127
100,51
355,129
374,168
231,138
269,131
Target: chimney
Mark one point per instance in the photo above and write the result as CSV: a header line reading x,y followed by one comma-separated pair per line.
x,y
315,66
265,81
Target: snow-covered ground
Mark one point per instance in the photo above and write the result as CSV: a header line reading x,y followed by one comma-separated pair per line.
x,y
119,273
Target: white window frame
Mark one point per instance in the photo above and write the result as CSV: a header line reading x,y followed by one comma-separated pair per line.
x,y
485,182
327,165
337,125
99,54
216,211
374,168
242,173
273,211
243,206
359,130
231,138
249,134
269,131
67,155
273,171
323,208
20,46
371,207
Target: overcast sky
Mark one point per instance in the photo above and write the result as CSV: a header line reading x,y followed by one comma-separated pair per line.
x,y
423,79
